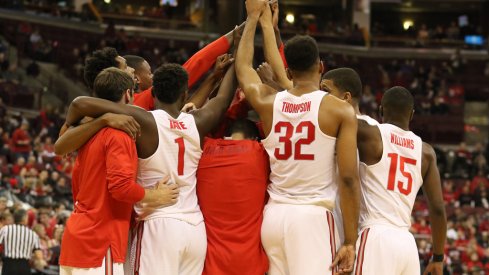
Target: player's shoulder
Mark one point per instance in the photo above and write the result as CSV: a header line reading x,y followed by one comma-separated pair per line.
x,y
115,135
428,152
334,104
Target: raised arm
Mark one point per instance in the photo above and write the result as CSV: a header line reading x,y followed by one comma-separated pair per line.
x,y
75,137
349,187
204,59
202,94
438,220
271,50
249,81
208,116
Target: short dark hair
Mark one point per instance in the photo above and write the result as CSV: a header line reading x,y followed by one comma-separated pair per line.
x,y
112,83
398,99
134,61
346,80
19,215
97,62
301,52
169,82
245,126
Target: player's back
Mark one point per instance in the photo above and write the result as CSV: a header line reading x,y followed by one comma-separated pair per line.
x,y
302,159
389,187
177,156
95,208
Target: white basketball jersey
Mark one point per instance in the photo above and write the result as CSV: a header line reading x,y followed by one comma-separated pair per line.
x,y
177,156
389,187
302,157
368,119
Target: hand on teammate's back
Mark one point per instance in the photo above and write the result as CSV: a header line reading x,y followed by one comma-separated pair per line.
x,y
189,107
124,123
344,260
162,195
434,269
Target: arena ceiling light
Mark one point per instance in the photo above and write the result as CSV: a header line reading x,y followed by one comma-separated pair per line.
x,y
290,18
407,24
107,1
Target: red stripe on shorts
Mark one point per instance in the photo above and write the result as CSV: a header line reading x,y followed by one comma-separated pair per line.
x,y
332,239
361,252
139,237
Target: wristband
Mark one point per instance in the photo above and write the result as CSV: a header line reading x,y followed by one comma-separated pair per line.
x,y
437,258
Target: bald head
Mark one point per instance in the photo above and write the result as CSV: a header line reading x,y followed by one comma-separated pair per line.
x,y
398,102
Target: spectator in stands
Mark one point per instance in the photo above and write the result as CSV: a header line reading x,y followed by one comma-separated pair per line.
x,y
21,141
6,218
465,198
457,61
439,33
45,242
453,32
13,74
479,179
480,196
423,35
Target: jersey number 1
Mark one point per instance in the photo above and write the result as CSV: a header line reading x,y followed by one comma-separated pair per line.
x,y
289,131
181,153
406,190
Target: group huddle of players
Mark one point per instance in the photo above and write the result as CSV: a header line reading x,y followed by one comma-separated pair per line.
x,y
326,191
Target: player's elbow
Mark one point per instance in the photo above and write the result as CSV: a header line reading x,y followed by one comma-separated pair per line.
x,y
79,103
350,182
438,210
59,149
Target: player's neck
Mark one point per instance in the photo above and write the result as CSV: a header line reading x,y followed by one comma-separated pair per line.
x,y
356,108
304,85
401,124
172,109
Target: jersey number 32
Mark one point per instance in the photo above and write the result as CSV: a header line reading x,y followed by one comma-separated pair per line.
x,y
290,149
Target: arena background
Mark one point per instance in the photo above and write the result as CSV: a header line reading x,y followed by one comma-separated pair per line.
x,y
436,49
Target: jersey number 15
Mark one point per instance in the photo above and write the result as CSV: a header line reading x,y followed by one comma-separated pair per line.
x,y
403,187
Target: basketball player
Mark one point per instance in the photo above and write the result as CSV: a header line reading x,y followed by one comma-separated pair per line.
x,y
104,191
196,66
73,138
304,127
396,164
142,71
232,178
345,84
170,240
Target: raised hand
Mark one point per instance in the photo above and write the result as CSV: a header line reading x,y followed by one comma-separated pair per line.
x,y
255,7
124,123
265,72
275,14
222,64
344,260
